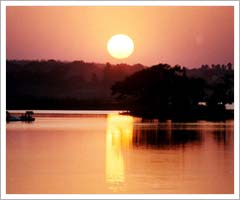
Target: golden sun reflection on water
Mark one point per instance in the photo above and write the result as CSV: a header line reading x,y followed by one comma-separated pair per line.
x,y
115,154
119,135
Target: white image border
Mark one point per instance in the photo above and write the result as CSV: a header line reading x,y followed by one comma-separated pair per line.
x,y
235,4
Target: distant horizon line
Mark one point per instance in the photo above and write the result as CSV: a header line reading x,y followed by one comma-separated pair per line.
x,y
120,63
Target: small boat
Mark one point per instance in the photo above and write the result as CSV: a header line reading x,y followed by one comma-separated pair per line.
x,y
27,117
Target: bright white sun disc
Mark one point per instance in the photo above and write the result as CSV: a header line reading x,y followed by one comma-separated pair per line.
x,y
120,46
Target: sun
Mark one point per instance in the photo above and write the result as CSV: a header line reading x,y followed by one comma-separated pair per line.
x,y
120,46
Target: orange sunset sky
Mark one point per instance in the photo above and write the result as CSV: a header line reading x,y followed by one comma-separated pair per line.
x,y
189,36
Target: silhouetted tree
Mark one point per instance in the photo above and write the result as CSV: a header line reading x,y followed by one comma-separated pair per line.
x,y
219,80
229,66
94,79
161,88
107,74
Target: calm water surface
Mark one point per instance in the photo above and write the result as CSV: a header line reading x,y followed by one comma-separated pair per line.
x,y
88,153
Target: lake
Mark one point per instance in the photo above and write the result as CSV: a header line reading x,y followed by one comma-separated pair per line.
x,y
93,152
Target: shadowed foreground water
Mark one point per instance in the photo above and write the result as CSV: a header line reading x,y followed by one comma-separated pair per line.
x,y
97,153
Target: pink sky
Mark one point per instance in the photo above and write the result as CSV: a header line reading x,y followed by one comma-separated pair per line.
x,y
188,36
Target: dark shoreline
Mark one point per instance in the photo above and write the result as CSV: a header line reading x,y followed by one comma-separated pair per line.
x,y
188,116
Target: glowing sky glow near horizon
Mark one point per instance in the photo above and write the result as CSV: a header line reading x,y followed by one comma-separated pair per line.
x,y
189,36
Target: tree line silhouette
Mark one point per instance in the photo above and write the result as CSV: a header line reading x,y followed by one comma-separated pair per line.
x,y
51,84
174,91
65,80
